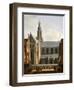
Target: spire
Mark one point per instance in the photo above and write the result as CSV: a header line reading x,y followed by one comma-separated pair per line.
x,y
39,32
39,27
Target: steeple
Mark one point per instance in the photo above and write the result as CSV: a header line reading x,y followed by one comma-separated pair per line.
x,y
39,27
39,33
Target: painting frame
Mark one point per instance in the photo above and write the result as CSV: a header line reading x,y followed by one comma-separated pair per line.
x,y
13,44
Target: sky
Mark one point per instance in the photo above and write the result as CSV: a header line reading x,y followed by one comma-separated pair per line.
x,y
52,26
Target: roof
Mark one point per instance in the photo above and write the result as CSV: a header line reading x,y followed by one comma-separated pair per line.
x,y
31,38
50,44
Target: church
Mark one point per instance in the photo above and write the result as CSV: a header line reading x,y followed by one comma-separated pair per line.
x,y
37,51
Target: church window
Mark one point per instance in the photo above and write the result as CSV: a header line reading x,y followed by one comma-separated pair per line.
x,y
51,50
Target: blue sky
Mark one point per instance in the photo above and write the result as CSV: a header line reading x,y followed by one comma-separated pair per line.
x,y
52,26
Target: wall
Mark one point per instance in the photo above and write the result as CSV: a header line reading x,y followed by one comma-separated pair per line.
x,y
4,46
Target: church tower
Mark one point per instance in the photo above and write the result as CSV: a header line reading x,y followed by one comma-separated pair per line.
x,y
39,33
38,47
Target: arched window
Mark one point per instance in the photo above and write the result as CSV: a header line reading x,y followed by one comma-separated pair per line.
x,y
51,50
51,61
47,50
42,50
56,61
56,50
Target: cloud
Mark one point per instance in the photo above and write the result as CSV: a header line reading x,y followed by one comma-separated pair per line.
x,y
51,26
52,35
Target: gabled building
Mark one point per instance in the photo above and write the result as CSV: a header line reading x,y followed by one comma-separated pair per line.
x,y
43,52
32,49
26,51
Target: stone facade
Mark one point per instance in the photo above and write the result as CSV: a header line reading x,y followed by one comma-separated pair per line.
x,y
42,52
